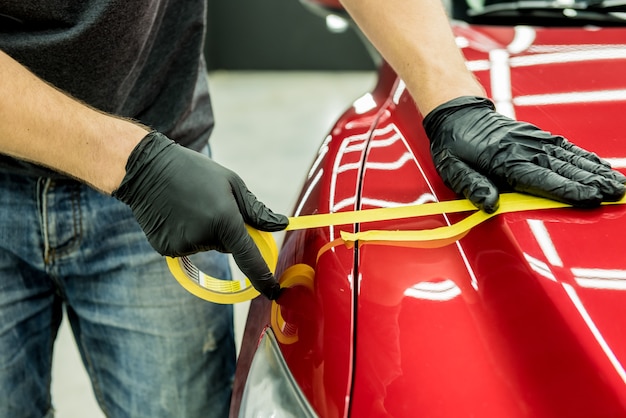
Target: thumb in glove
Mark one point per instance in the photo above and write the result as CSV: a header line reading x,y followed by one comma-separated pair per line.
x,y
186,203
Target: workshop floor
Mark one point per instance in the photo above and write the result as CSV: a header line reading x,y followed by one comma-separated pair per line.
x,y
269,125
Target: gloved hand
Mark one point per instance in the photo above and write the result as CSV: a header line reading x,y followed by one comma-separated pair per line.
x,y
478,151
186,203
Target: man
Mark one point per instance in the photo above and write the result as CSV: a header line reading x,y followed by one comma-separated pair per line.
x,y
73,74
150,348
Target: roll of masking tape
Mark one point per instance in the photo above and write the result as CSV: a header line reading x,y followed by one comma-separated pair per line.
x,y
233,291
223,291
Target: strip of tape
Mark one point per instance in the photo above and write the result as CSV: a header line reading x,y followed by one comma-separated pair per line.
x,y
232,291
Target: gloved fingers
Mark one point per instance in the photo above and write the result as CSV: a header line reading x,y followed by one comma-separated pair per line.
x,y
544,182
566,145
254,212
461,178
611,189
248,258
586,161
583,171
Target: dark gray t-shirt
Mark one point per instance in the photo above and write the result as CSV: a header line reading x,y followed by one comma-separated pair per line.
x,y
140,59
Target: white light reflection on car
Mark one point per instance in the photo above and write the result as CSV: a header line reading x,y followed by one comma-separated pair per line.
x,y
364,104
595,331
546,244
542,236
600,278
502,61
437,291
540,267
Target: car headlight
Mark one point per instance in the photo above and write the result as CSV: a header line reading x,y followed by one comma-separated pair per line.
x,y
271,390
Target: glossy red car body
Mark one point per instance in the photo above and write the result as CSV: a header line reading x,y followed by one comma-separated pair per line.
x,y
524,316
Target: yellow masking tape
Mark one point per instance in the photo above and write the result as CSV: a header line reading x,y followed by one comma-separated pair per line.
x,y
508,203
232,291
296,275
379,214
223,291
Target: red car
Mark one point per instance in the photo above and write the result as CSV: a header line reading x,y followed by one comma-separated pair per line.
x,y
522,315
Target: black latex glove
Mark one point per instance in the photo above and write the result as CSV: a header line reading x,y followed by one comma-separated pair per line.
x,y
478,151
186,203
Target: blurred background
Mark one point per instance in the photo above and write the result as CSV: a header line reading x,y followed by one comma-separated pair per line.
x,y
280,75
280,35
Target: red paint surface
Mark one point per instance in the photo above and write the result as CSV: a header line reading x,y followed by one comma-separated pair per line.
x,y
504,323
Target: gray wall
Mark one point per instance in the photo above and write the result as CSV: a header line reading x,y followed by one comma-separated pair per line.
x,y
278,35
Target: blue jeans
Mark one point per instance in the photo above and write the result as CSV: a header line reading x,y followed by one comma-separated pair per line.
x,y
151,349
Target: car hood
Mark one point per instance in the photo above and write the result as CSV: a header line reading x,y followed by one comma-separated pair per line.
x,y
524,315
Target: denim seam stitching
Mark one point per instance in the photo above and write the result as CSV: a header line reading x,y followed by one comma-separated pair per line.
x,y
42,201
53,253
97,390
